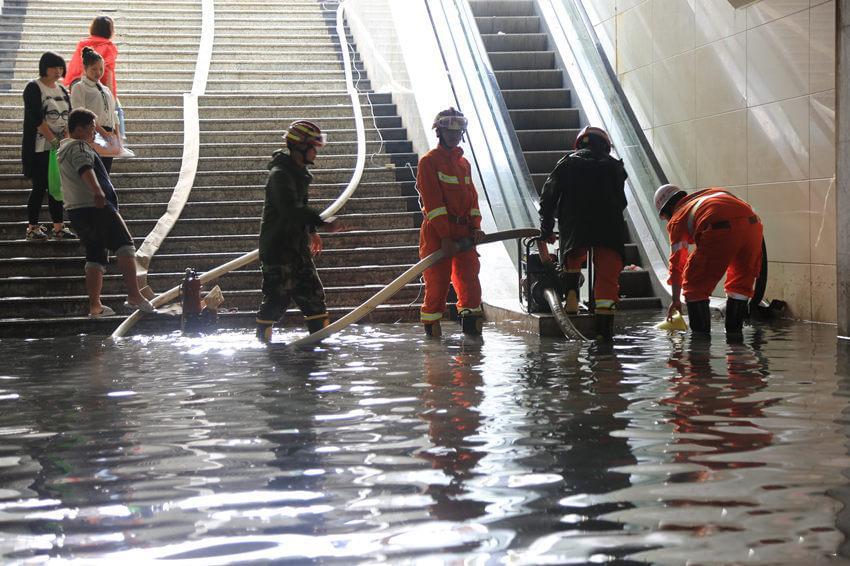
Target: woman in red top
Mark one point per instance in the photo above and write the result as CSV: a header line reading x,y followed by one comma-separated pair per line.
x,y
101,30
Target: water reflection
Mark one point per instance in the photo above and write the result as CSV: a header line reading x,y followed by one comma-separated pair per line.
x,y
714,411
381,446
452,411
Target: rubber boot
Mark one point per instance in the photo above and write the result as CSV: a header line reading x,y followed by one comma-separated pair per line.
x,y
604,321
264,332
472,324
571,281
433,329
699,316
736,312
316,324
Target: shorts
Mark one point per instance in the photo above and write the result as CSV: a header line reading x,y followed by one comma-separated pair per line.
x,y
100,229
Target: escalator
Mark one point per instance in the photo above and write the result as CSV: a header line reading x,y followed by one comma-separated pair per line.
x,y
542,109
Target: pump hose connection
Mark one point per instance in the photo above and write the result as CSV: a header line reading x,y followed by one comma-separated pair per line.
x,y
553,294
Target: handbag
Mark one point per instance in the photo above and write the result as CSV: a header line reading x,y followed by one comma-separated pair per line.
x,y
54,179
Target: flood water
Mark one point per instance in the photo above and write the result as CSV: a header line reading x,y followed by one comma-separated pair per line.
x,y
380,446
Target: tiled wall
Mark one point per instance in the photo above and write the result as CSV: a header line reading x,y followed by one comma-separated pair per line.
x,y
743,99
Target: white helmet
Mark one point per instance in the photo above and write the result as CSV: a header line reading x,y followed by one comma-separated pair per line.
x,y
664,194
450,119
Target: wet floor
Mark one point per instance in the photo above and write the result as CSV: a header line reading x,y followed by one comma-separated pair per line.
x,y
382,447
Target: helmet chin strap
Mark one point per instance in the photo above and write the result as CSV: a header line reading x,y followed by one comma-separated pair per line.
x,y
303,153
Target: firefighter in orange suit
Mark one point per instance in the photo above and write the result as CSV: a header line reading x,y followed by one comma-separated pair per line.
x,y
728,237
450,210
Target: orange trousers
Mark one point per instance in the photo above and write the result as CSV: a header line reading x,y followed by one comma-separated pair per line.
x,y
462,271
735,251
607,264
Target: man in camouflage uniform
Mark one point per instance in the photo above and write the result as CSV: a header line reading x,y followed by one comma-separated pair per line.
x,y
288,237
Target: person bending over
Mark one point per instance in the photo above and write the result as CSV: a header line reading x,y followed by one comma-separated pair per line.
x,y
728,237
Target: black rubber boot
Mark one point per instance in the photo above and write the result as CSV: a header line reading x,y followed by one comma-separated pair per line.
x,y
570,285
264,332
736,312
316,324
604,321
472,325
433,329
699,316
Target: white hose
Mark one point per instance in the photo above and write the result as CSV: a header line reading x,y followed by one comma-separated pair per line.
x,y
251,257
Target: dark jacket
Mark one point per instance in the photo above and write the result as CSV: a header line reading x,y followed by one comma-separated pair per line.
x,y
33,117
287,220
585,192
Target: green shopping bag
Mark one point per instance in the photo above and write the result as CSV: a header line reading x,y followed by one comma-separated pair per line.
x,y
54,179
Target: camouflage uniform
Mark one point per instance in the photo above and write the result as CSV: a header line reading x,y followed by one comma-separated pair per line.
x,y
287,264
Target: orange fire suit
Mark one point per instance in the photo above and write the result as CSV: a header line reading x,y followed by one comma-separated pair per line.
x,y
450,209
728,236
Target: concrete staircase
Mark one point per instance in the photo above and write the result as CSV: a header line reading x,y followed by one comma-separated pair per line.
x,y
272,62
541,108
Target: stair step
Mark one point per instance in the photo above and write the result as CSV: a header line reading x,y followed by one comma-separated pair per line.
x,y
161,262
515,42
502,7
530,79
537,98
248,277
508,24
242,300
639,303
545,118
522,60
162,324
241,243
542,140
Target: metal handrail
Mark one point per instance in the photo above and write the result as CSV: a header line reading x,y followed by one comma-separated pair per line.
x,y
253,256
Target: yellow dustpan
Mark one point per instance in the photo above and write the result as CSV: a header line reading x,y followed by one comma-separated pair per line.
x,y
678,323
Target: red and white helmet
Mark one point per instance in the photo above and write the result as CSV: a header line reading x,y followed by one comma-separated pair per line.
x,y
588,131
664,194
305,131
450,119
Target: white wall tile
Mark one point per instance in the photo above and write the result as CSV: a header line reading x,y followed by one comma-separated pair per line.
x,y
822,135
752,110
623,5
721,76
599,10
769,10
822,55
675,147
715,20
824,297
634,37
637,85
721,146
784,211
673,89
792,283
778,60
822,221
778,141
673,27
